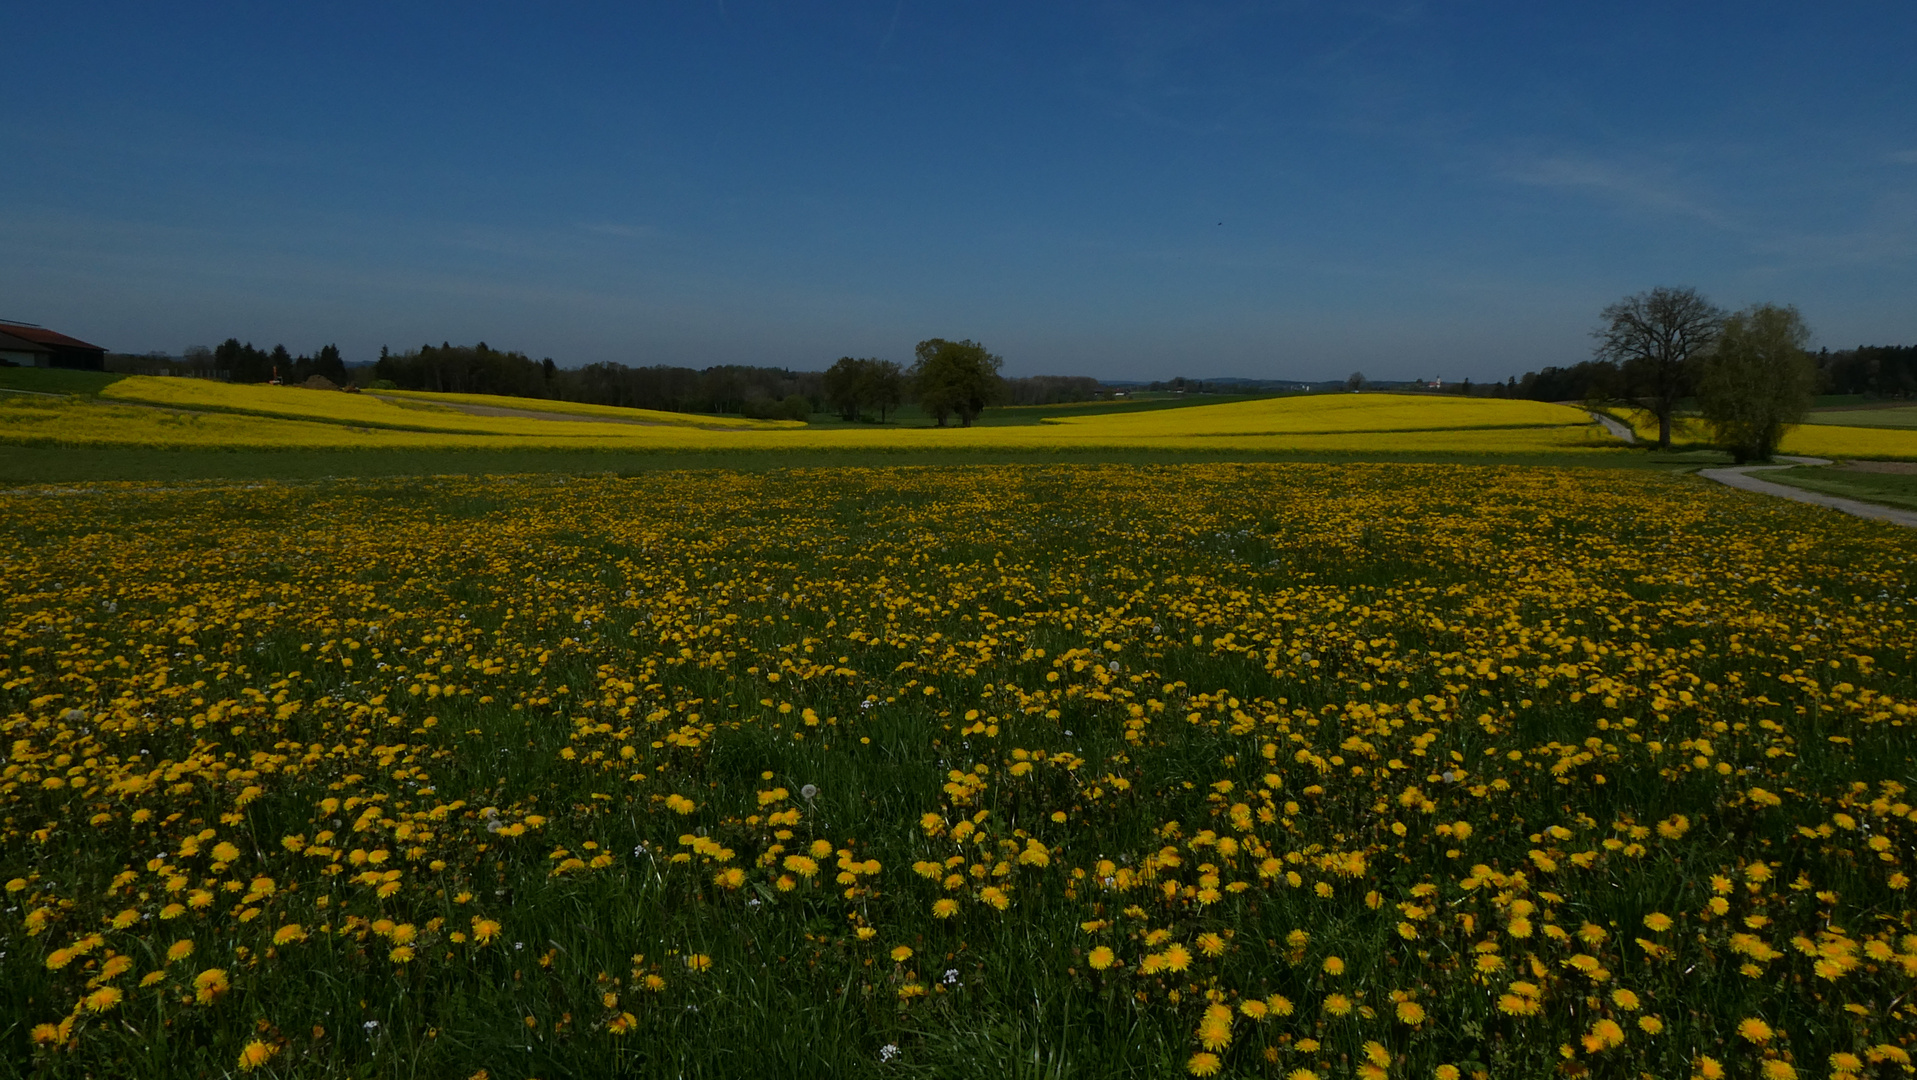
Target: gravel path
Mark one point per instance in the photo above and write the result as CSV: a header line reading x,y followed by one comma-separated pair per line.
x,y
1615,428
1740,477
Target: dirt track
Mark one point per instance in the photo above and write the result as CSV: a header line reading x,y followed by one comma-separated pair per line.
x,y
524,414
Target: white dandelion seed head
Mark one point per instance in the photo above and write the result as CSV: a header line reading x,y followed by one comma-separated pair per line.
x,y
809,792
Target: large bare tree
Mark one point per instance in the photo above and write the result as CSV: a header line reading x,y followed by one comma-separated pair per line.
x,y
1655,338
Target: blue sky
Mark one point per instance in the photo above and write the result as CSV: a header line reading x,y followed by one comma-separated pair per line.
x,y
1121,190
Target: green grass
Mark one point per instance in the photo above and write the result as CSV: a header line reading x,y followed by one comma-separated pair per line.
x,y
1887,488
55,465
1882,416
57,380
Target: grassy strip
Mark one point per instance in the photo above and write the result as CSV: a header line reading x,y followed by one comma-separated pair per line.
x,y
1887,489
41,465
56,381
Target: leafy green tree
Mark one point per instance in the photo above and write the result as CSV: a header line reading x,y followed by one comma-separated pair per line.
x,y
843,384
852,386
1655,337
1757,381
955,377
883,386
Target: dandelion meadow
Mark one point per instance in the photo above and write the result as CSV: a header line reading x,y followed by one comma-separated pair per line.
x,y
1297,771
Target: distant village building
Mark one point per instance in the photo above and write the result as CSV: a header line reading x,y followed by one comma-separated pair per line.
x,y
27,345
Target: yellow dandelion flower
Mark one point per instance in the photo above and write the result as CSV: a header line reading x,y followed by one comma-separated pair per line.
x,y
1279,1004
1657,922
1447,1071
1333,965
1338,1005
1410,1012
106,997
1775,1069
179,950
1603,1035
255,1054
484,930
208,985
1214,1036
1650,1025
1177,957
1624,999
1211,944
901,954
698,962
1101,958
1753,1030
1203,1064
945,908
289,933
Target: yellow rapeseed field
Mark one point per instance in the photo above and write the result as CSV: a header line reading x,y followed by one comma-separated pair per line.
x,y
1810,440
216,415
404,411
1340,414
586,409
1296,771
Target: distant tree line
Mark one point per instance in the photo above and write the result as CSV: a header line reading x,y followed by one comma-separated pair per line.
x,y
233,361
947,379
1885,371
1052,390
766,392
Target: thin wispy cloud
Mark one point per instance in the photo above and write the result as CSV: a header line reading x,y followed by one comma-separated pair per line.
x,y
1632,187
620,231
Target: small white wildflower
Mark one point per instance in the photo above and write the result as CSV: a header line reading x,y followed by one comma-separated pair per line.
x,y
888,1052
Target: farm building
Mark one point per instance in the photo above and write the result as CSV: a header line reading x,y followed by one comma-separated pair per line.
x,y
27,345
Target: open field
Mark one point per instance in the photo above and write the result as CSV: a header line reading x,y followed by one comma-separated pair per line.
x,y
419,413
1890,488
191,414
1098,771
1812,439
1886,416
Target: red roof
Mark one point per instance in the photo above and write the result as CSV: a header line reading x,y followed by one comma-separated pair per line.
x,y
41,335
